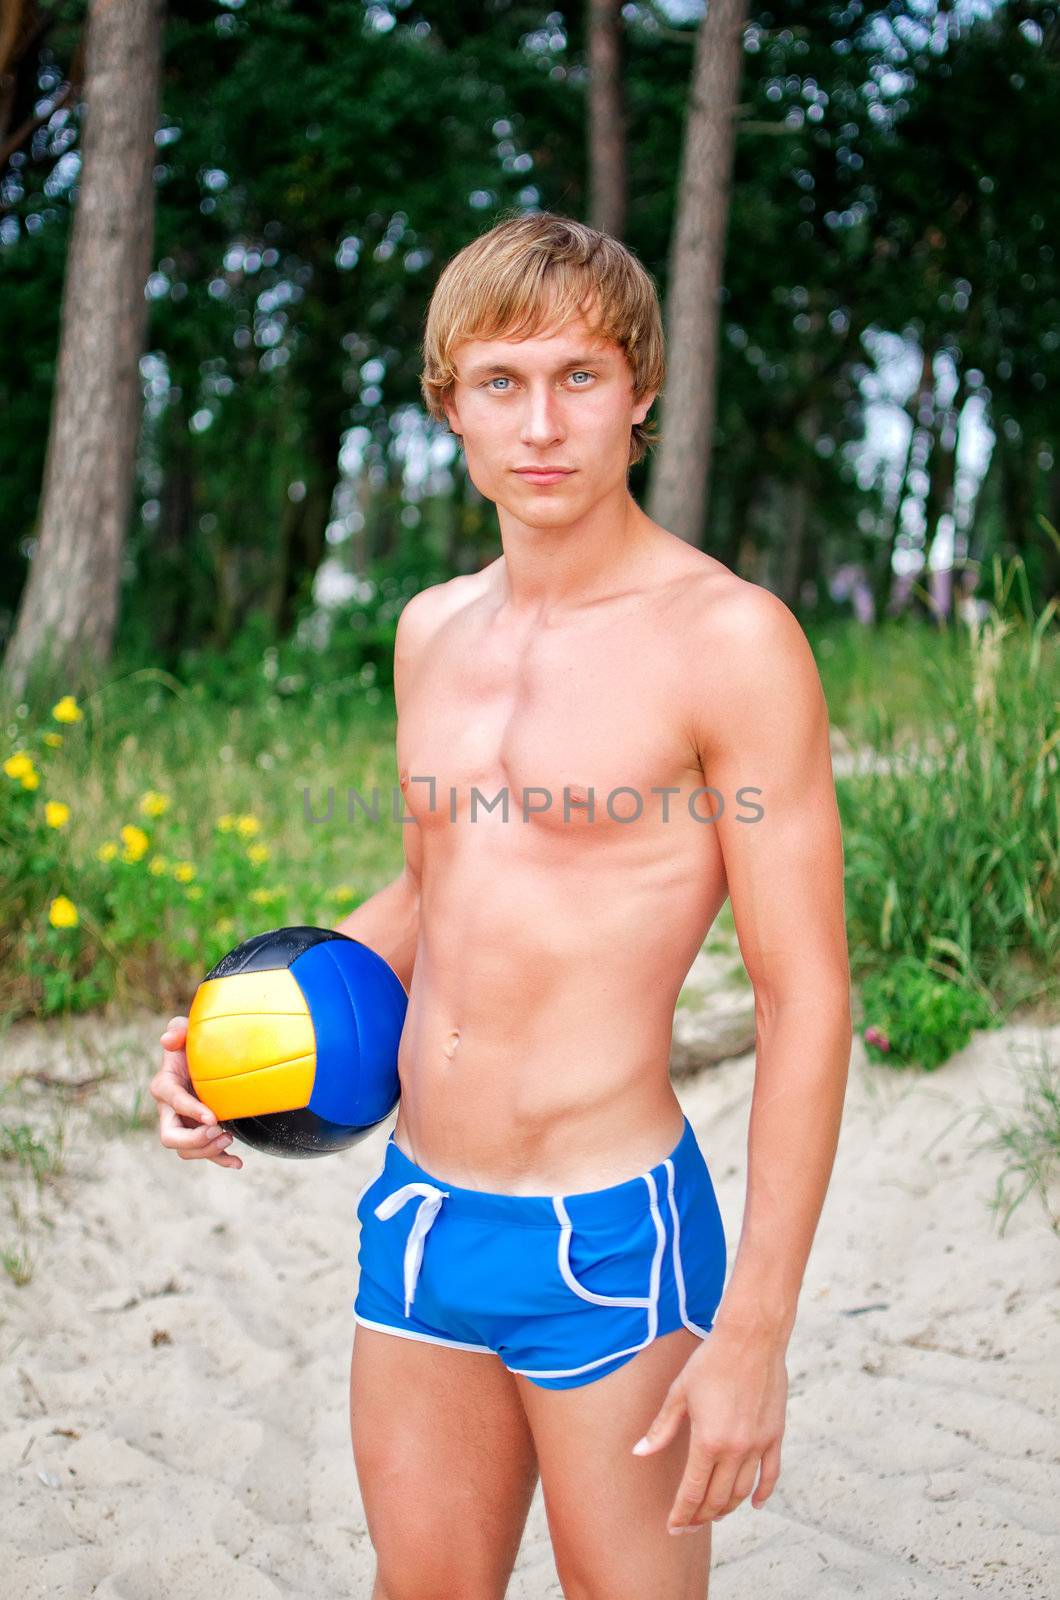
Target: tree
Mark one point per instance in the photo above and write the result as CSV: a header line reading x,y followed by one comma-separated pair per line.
x,y
68,612
607,133
678,493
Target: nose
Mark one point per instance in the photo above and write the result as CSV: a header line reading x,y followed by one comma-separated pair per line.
x,y
542,423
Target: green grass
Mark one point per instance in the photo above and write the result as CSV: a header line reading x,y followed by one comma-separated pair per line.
x,y
142,936
1029,1142
897,667
953,853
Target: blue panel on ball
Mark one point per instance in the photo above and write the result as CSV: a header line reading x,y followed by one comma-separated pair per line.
x,y
358,1007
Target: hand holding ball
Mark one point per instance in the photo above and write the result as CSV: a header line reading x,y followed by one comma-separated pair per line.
x,y
293,1041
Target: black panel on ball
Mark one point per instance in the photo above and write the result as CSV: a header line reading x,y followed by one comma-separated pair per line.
x,y
272,951
298,1134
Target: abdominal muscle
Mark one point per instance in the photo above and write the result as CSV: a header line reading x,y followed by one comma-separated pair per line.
x,y
535,1053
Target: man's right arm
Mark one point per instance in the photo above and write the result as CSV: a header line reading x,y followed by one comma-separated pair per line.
x,y
388,921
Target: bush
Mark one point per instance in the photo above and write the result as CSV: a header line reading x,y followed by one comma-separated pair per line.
x,y
912,1015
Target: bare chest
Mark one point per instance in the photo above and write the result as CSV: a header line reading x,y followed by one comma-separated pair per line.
x,y
575,728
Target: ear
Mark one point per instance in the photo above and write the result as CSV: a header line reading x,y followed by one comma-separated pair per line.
x,y
452,415
642,406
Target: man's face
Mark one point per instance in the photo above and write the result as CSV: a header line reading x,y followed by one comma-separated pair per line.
x,y
562,399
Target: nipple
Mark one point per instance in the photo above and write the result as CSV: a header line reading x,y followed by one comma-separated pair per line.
x,y
449,1047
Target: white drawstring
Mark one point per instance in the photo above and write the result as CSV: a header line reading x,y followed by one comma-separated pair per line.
x,y
428,1209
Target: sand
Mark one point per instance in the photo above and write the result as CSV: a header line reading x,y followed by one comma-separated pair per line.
x,y
173,1377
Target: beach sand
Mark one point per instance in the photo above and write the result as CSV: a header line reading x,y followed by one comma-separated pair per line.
x,y
173,1377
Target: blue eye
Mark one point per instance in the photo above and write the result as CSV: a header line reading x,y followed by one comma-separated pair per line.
x,y
579,372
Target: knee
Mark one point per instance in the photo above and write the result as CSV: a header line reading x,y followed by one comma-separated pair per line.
x,y
447,1585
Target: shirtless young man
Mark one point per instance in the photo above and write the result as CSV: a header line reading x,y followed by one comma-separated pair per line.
x,y
542,1235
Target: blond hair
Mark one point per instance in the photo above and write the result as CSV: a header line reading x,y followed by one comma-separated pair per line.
x,y
534,270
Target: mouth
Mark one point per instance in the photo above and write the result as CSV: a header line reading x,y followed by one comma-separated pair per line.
x,y
543,475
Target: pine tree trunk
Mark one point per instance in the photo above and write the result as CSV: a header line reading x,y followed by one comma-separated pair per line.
x,y
607,134
65,626
678,493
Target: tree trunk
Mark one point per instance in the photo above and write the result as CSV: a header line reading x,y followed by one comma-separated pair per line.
x,y
941,501
68,612
678,493
918,407
607,131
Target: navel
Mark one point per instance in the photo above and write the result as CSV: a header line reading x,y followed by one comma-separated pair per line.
x,y
449,1047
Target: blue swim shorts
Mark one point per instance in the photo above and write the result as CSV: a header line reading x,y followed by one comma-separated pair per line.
x,y
564,1288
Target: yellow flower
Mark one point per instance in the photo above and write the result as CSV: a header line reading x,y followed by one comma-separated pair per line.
x,y
107,850
258,854
31,779
157,865
152,804
247,826
223,925
52,738
184,872
226,823
62,913
342,894
67,710
135,841
194,893
262,897
19,764
56,813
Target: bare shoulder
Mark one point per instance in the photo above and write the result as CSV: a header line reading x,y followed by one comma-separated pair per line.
x,y
750,624
422,618
429,608
749,660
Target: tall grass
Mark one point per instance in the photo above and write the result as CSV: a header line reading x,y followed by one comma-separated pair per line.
x,y
952,840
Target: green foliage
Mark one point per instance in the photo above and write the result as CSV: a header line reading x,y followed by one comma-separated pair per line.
x,y
317,165
952,839
191,825
913,1015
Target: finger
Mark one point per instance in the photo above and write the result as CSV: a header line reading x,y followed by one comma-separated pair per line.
x,y
168,1090
692,1488
227,1161
173,1041
666,1423
188,1105
730,1484
768,1478
174,1034
719,1490
741,1488
176,1136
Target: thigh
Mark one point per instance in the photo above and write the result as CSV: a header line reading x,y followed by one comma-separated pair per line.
x,y
446,1466
607,1508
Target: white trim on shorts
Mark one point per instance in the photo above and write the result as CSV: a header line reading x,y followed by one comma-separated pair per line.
x,y
363,1190
678,1271
651,1303
410,1333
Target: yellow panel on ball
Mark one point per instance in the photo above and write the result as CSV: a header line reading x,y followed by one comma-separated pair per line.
x,y
251,1046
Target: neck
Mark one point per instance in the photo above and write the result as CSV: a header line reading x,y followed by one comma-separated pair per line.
x,y
559,568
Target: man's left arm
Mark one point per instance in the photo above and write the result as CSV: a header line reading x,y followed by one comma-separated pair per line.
x,y
760,724
766,728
